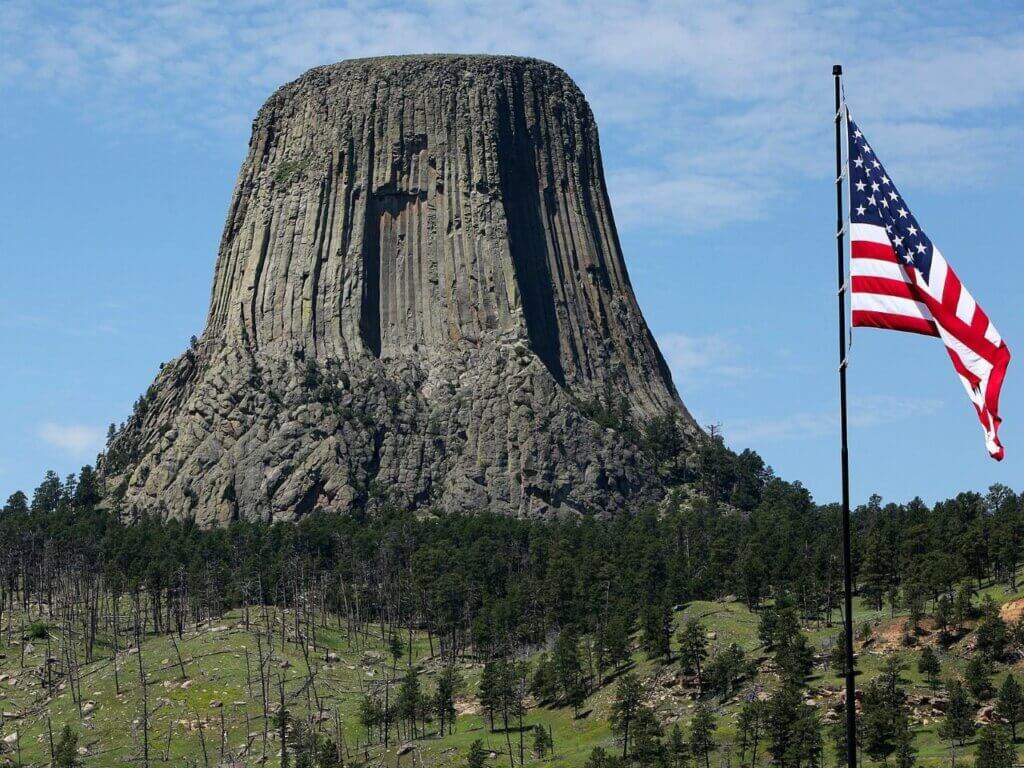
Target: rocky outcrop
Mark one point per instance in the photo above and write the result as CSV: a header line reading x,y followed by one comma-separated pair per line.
x,y
419,288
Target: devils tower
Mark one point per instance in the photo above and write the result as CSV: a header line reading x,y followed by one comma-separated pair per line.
x,y
418,294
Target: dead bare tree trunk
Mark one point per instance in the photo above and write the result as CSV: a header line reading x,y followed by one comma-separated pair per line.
x,y
145,699
181,664
202,739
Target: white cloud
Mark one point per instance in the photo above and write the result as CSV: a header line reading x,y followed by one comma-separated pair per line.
x,y
78,440
713,109
686,200
863,413
696,359
744,432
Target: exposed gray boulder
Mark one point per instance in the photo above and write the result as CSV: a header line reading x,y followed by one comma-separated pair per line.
x,y
418,285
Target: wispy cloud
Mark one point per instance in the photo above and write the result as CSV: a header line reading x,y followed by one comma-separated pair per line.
x,y
713,108
696,359
78,440
691,201
864,413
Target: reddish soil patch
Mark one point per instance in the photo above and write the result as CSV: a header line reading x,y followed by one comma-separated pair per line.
x,y
1012,611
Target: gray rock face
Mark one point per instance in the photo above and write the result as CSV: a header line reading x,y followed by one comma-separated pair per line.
x,y
418,287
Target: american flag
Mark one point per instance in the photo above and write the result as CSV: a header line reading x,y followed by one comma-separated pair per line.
x,y
900,281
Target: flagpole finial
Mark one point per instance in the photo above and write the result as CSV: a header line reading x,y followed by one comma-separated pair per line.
x,y
837,69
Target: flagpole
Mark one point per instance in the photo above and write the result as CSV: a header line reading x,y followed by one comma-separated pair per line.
x,y
850,674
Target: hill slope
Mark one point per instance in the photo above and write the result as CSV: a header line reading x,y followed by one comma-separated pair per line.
x,y
206,690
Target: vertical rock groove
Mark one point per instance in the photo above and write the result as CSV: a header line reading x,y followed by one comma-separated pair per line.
x,y
418,285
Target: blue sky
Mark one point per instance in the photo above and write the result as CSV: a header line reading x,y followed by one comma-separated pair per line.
x,y
124,125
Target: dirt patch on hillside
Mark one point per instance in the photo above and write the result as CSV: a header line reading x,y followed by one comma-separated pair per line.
x,y
890,636
1012,611
468,705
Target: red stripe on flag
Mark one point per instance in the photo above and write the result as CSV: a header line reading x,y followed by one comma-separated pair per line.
x,y
884,286
865,249
951,290
995,384
979,322
870,319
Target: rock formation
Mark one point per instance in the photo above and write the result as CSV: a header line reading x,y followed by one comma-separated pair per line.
x,y
419,293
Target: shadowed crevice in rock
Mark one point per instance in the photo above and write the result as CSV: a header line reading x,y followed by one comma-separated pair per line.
x,y
369,319
418,285
526,231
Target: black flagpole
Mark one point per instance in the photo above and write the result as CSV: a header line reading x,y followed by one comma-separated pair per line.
x,y
851,701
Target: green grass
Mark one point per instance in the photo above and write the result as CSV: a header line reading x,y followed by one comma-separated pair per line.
x,y
216,671
215,667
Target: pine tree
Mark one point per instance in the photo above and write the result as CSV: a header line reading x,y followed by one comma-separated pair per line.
x,y
928,665
599,758
370,715
991,635
477,756
647,733
693,648
65,753
1010,704
808,745
541,741
795,658
678,751
702,735
751,725
943,610
878,721
544,683
47,496
490,687
913,600
958,724
792,728
88,491
569,668
616,640
995,748
978,676
625,707
410,699
963,607
777,625
905,752
448,685
656,620
837,732
396,648
885,721
837,655
725,670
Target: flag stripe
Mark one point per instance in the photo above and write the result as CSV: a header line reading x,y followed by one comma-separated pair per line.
x,y
867,249
869,233
937,279
866,319
877,268
882,285
893,305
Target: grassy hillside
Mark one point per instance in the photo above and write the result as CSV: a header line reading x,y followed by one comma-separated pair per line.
x,y
207,689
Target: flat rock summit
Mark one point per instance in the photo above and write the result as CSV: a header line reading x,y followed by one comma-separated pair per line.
x,y
419,297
